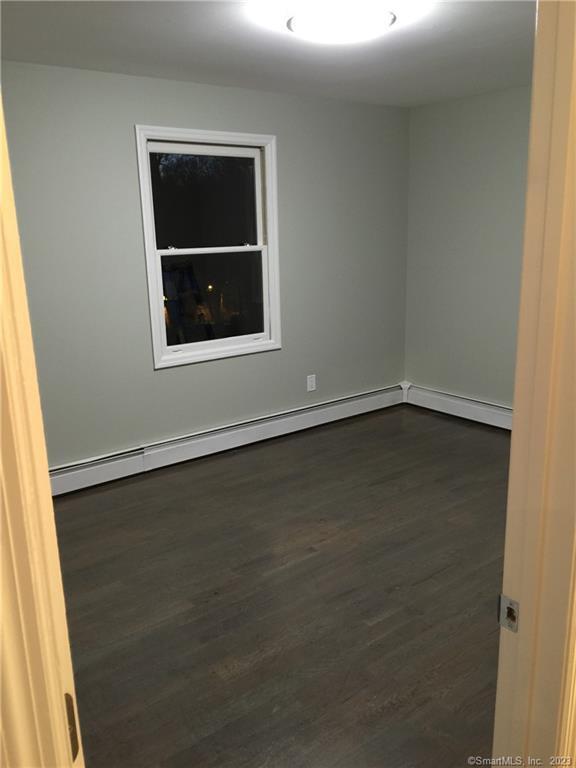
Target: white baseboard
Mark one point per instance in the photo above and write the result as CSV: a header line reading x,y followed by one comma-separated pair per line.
x,y
102,469
96,471
464,407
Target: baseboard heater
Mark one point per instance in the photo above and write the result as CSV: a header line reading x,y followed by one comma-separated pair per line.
x,y
143,459
102,469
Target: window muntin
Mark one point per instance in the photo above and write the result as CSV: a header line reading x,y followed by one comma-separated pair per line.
x,y
209,220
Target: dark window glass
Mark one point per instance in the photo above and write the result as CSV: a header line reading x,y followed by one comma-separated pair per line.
x,y
212,296
203,201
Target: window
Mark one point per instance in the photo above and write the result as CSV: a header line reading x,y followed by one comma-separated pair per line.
x,y
209,211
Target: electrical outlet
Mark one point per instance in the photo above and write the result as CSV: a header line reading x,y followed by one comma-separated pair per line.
x,y
311,382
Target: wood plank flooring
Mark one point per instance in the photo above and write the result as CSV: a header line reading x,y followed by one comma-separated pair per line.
x,y
322,600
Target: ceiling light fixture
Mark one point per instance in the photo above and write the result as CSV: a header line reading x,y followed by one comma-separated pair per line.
x,y
342,25
337,22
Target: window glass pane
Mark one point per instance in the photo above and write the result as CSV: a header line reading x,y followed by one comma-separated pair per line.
x,y
203,201
212,296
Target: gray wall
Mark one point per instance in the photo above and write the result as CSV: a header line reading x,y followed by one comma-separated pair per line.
x,y
342,220
373,289
466,209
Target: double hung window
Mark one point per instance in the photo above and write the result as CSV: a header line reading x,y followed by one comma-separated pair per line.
x,y
209,212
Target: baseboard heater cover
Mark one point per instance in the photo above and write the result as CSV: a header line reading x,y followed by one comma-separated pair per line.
x,y
455,405
103,469
99,470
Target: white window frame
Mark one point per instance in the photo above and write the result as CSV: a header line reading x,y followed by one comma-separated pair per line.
x,y
263,149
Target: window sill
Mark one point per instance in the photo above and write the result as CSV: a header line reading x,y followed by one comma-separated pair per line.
x,y
188,357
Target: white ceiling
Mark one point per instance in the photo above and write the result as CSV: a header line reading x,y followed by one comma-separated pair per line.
x,y
463,47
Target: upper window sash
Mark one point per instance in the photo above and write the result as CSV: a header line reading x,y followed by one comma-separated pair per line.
x,y
217,150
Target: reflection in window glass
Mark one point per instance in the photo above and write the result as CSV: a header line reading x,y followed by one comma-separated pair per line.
x,y
212,296
203,201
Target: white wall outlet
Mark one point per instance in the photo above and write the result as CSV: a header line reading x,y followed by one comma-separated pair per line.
x,y
311,382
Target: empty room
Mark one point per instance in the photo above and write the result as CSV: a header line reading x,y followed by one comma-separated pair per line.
x,y
273,259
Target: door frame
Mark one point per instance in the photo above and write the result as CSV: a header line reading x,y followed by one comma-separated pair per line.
x,y
38,700
536,697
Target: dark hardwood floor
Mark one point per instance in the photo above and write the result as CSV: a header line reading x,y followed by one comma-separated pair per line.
x,y
323,600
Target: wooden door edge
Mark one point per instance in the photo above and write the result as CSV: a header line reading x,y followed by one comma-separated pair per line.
x,y
536,683
36,660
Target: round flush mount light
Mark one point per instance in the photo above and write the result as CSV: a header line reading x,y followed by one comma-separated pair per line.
x,y
336,22
342,25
